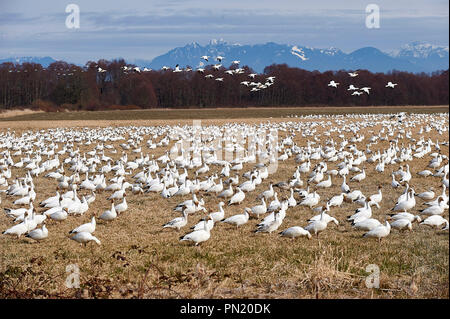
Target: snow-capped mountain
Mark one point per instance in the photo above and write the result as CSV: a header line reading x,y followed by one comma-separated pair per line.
x,y
415,57
425,55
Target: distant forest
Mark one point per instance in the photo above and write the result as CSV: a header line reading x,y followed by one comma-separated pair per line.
x,y
67,86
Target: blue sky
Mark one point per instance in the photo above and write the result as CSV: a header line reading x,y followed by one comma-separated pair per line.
x,y
138,29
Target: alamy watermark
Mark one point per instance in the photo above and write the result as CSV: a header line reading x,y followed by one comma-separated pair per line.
x,y
373,16
73,19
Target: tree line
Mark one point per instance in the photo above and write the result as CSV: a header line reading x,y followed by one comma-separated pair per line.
x,y
67,86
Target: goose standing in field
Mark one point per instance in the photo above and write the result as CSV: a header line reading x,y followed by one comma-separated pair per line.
x,y
17,230
198,236
408,216
84,238
295,231
379,232
376,198
317,226
407,204
394,183
336,200
344,187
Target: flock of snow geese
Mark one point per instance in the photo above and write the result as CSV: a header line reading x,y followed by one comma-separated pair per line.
x,y
254,85
359,91
193,169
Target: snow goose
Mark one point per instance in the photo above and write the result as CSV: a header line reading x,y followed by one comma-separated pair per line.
x,y
366,224
123,206
316,226
178,222
274,205
268,193
219,215
237,198
226,192
325,184
38,234
198,236
344,187
379,232
88,227
394,183
59,215
336,200
359,177
404,215
84,238
402,224
435,221
428,195
208,223
238,220
109,214
436,209
376,198
271,226
17,230
258,209
295,231
292,202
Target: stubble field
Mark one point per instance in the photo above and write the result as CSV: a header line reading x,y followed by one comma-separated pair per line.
x,y
137,258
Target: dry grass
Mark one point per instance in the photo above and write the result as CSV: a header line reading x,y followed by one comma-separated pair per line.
x,y
137,259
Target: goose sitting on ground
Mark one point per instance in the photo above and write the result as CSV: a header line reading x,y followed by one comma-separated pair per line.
x,y
258,209
295,231
84,238
123,206
237,198
109,214
435,221
429,195
219,215
271,226
402,224
412,218
379,232
88,227
366,224
38,234
178,222
198,236
239,219
436,209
